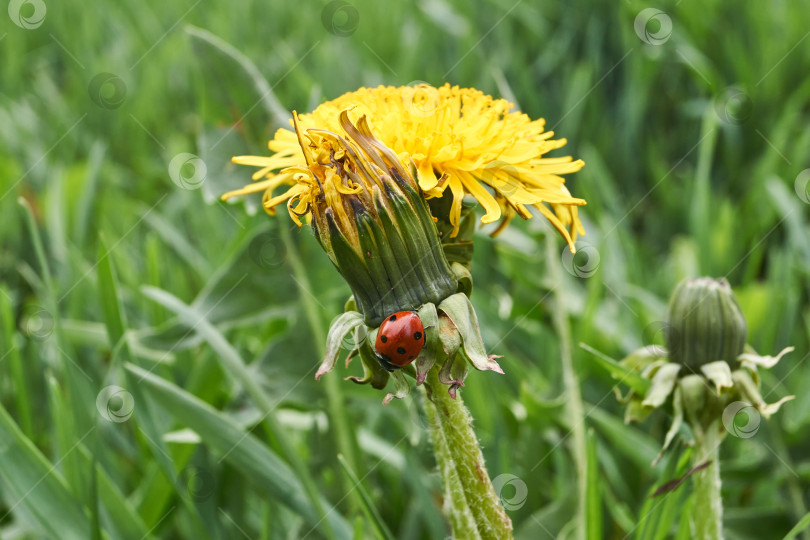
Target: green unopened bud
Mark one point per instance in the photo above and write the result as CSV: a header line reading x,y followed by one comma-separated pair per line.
x,y
704,324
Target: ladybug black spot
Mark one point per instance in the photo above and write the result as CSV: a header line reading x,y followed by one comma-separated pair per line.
x,y
383,338
400,350
411,357
392,318
417,336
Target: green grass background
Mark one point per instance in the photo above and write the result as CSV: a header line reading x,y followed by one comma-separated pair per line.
x,y
692,151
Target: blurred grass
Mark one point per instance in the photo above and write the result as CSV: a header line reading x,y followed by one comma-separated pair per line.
x,y
692,150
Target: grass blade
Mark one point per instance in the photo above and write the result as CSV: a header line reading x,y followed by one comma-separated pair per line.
x,y
369,509
16,366
232,362
29,480
241,450
593,507
626,376
803,524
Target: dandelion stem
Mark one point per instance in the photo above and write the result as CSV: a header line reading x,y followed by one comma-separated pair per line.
x,y
471,503
708,503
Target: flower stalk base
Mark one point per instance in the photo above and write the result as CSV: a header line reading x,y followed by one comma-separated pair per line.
x,y
471,503
708,510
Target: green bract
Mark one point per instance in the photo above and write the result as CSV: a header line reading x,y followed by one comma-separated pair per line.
x,y
377,228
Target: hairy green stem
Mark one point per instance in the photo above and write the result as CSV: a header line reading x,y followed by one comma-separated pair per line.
x,y
708,504
575,409
473,507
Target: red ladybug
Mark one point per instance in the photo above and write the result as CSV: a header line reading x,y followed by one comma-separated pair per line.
x,y
399,340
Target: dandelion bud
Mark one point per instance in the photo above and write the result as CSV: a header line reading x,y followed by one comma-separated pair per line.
x,y
373,221
704,324
370,219
706,366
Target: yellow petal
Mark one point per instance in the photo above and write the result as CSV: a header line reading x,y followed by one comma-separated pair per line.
x,y
491,206
427,178
270,202
455,209
554,220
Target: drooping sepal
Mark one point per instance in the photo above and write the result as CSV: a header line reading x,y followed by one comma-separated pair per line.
x,y
767,362
401,387
432,351
750,393
453,373
464,278
719,374
373,373
663,382
340,328
462,314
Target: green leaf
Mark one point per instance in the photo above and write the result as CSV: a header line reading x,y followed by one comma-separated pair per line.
x,y
373,372
368,506
593,509
677,421
22,396
803,524
635,381
624,439
268,99
232,362
243,451
121,516
108,290
30,481
719,373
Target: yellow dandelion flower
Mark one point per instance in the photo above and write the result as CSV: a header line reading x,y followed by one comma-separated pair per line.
x,y
457,138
